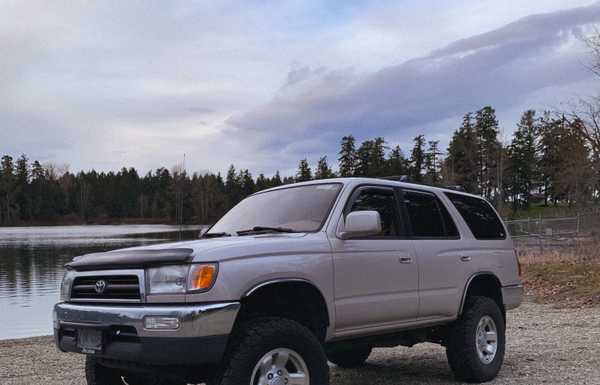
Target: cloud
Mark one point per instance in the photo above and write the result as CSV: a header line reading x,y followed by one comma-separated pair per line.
x,y
263,84
499,67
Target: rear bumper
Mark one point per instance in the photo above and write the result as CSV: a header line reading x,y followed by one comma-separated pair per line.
x,y
512,295
200,338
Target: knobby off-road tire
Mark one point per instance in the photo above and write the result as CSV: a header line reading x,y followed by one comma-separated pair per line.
x,y
97,374
258,347
471,341
349,357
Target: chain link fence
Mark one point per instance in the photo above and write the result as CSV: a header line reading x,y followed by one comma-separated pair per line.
x,y
555,233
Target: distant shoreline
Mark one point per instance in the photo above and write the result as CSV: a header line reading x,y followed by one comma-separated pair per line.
x,y
107,222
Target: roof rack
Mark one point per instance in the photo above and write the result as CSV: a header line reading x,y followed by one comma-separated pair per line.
x,y
404,178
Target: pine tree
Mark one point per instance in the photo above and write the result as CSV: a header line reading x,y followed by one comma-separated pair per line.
x,y
523,160
247,183
8,190
396,163
347,157
551,133
323,170
432,163
378,163
417,159
461,162
276,180
262,182
233,186
22,187
304,172
488,151
363,159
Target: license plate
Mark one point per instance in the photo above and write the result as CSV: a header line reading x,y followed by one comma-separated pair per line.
x,y
89,340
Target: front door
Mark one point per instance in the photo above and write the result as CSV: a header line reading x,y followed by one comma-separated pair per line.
x,y
376,278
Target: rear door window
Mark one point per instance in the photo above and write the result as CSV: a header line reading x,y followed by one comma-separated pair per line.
x,y
428,216
479,216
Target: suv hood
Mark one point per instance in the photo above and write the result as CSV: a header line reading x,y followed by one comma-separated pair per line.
x,y
203,250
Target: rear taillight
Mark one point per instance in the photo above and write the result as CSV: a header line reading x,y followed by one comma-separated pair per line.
x,y
519,267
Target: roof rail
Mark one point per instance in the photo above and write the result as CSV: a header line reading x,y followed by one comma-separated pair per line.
x,y
404,178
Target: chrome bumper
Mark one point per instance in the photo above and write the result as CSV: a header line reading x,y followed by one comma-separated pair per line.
x,y
195,320
201,336
512,296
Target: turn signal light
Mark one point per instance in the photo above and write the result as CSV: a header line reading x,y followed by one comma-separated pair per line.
x,y
202,277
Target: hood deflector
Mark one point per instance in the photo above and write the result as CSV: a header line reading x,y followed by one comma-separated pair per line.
x,y
130,259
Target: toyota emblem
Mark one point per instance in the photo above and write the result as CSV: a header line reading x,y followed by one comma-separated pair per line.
x,y
100,286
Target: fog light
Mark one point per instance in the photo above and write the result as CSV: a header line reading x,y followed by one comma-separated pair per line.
x,y
161,323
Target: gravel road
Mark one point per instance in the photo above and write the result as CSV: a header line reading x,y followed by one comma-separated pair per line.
x,y
545,346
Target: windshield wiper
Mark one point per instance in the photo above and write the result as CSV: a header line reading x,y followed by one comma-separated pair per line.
x,y
263,229
215,235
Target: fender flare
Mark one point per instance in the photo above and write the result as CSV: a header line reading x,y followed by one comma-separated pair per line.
x,y
329,311
468,285
260,285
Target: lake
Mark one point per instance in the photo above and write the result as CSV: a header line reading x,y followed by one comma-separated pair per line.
x,y
32,260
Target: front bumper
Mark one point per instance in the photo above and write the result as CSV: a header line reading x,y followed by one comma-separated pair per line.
x,y
512,296
200,338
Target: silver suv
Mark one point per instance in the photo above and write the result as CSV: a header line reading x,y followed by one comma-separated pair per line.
x,y
295,276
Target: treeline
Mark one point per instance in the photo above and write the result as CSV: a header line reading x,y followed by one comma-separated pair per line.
x,y
548,159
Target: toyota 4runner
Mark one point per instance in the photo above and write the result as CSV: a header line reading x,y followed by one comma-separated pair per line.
x,y
293,277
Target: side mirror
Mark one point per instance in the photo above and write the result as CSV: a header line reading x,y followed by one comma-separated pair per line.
x,y
361,224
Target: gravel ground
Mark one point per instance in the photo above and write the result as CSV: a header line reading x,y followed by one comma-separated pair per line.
x,y
545,346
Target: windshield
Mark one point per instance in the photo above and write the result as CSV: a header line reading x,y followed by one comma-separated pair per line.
x,y
297,209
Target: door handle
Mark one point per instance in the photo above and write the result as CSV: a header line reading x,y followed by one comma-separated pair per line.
x,y
465,258
405,260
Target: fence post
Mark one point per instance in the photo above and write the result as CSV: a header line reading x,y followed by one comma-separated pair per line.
x,y
578,224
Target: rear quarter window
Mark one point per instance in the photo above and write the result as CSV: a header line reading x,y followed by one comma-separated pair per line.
x,y
479,216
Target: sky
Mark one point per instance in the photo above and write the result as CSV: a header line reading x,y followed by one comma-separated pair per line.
x,y
263,84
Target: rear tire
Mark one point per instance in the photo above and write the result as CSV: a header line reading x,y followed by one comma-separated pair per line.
x,y
350,357
274,348
476,341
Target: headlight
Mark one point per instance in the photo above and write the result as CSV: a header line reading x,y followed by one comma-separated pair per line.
x,y
167,279
179,279
65,286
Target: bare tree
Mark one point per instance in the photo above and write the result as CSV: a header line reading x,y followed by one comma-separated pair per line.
x,y
587,110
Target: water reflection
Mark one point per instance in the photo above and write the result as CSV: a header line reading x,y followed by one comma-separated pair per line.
x,y
32,260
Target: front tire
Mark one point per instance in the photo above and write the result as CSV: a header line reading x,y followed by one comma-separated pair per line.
x,y
476,342
274,350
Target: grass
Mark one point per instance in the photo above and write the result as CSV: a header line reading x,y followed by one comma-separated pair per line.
x,y
566,284
566,279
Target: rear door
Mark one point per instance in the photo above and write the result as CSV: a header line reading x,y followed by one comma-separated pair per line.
x,y
488,247
438,247
376,277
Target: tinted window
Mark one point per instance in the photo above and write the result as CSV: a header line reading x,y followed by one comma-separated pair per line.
x,y
302,209
479,215
428,216
384,202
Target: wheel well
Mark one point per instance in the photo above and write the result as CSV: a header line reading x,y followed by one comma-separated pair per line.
x,y
485,285
296,300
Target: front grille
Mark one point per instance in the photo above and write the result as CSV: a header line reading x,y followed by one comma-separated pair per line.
x,y
106,288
